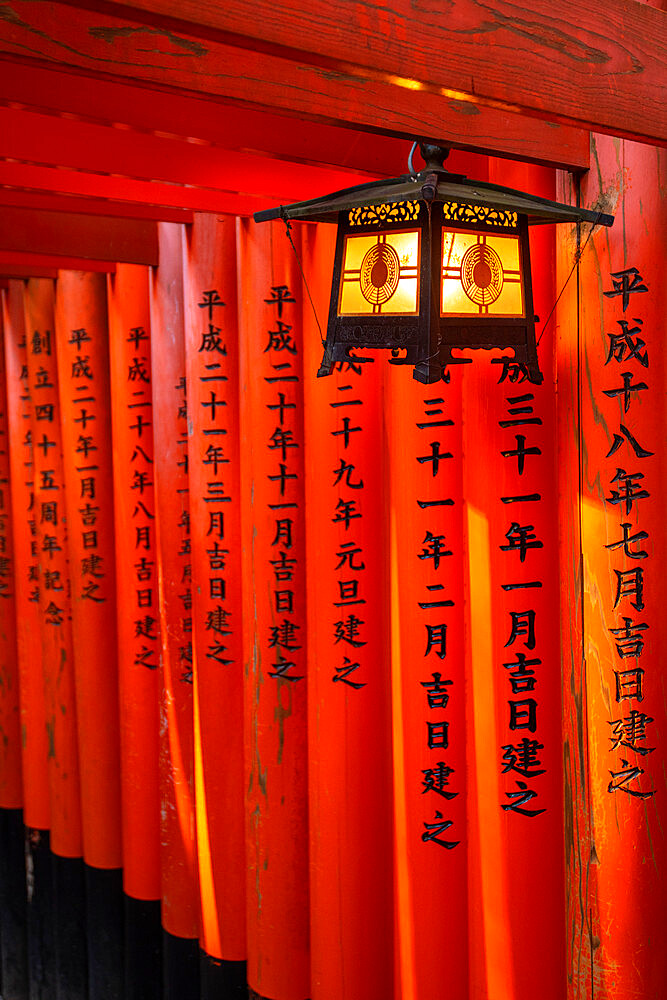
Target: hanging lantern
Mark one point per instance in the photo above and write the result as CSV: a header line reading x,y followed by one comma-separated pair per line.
x,y
428,263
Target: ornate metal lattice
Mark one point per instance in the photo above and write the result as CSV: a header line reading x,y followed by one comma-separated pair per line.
x,y
480,215
394,211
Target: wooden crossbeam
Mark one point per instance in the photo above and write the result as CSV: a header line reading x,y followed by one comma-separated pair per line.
x,y
123,189
91,206
11,260
131,241
158,55
23,271
601,65
40,138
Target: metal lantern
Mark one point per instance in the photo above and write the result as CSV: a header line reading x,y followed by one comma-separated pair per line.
x,y
428,263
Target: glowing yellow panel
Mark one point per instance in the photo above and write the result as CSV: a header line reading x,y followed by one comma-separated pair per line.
x,y
380,275
481,275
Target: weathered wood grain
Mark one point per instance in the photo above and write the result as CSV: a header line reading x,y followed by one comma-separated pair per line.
x,y
56,233
336,94
601,64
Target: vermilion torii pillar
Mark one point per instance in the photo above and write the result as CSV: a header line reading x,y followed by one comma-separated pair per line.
x,y
36,805
349,641
57,643
83,374
212,361
274,619
139,633
180,903
13,916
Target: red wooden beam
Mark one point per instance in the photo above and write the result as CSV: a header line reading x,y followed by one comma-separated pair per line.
x,y
102,101
601,65
91,206
77,182
335,93
10,260
55,233
40,138
18,271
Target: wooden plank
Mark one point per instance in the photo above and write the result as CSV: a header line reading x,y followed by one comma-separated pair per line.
x,y
18,271
201,116
601,65
131,241
335,94
77,182
92,206
10,260
40,138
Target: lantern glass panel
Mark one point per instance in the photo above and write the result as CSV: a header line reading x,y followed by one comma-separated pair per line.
x,y
380,274
481,275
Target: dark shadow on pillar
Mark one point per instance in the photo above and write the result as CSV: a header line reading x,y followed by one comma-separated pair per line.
x,y
222,980
104,920
180,958
143,949
13,906
41,942
70,928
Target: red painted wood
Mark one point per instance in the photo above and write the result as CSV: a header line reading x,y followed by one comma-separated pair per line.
x,y
90,206
82,344
274,622
212,359
298,84
204,117
29,272
49,233
49,262
429,727
36,808
27,136
626,820
517,879
579,862
136,580
492,56
54,600
11,792
349,695
124,189
180,899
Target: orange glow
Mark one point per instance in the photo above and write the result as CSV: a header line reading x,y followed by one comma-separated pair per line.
x,y
481,275
405,927
210,926
380,275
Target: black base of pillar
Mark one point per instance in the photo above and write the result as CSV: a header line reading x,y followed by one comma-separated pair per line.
x,y
13,906
104,924
70,928
41,941
180,962
222,980
143,949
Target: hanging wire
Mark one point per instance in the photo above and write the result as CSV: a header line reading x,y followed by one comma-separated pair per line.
x,y
411,168
577,257
288,231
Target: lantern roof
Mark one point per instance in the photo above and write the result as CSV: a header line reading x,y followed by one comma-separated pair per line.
x,y
433,184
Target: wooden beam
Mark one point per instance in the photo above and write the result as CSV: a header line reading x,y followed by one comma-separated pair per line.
x,y
10,260
91,206
107,102
21,271
131,241
342,95
601,65
38,138
92,185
